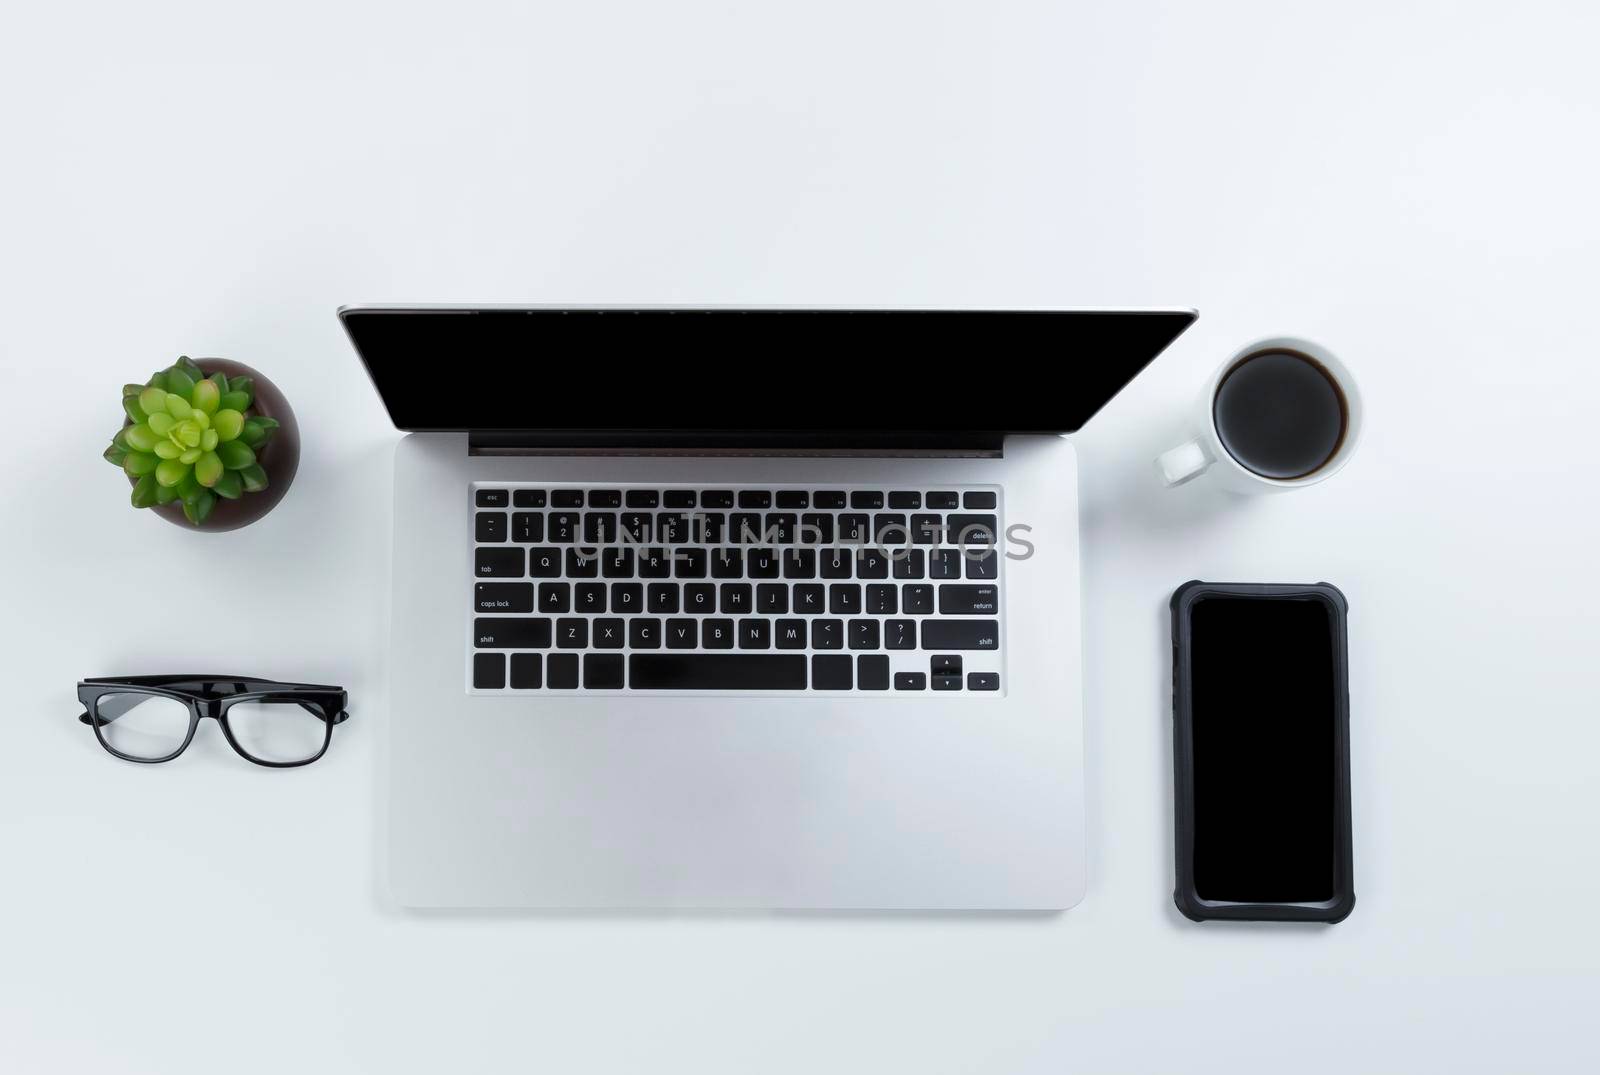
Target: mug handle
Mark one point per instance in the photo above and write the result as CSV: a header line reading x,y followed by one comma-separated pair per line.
x,y
1184,463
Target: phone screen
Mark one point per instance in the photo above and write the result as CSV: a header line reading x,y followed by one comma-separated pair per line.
x,y
1262,713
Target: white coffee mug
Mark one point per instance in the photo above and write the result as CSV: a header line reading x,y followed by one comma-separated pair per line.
x,y
1206,450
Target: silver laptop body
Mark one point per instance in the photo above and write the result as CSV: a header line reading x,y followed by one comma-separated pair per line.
x,y
581,722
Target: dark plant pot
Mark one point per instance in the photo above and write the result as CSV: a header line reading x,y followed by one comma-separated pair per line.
x,y
280,458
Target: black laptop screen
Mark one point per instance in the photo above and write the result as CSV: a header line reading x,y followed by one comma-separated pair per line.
x,y
763,370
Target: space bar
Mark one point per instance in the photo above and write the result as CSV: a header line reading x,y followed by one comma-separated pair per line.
x,y
717,671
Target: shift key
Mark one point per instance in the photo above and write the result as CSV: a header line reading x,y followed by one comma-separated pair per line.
x,y
978,600
960,634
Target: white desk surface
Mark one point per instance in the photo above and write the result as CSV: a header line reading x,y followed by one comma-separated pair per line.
x,y
1413,184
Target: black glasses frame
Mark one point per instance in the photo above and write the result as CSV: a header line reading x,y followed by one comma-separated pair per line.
x,y
213,696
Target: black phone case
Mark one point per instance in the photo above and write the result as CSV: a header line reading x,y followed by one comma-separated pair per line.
x,y
1184,894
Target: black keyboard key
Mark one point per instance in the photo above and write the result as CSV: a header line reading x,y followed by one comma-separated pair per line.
x,y
617,563
772,599
969,600
844,599
835,563
494,498
572,634
986,566
513,633
889,528
790,634
716,498
566,498
960,634
872,564
828,498
544,562
909,563
700,598
727,563
589,597
905,500
528,498
830,672
943,500
488,669
744,528
708,528
855,529
944,564
527,671
815,529
678,498
690,563
672,528
583,563
717,671
944,662
490,526
654,563
497,563
926,529
644,634
662,597
602,671
799,563
978,501
900,634
717,634
827,634
863,634
755,634
605,498
555,597
947,682
983,681
910,681
870,499
683,634
872,672
883,599
563,527
563,669
780,527
527,526
736,599
627,598
969,530
761,564
810,599
609,633
755,498
792,498
639,526
502,597
600,528
642,498
917,600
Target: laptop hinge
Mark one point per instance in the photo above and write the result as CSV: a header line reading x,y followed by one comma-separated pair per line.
x,y
689,442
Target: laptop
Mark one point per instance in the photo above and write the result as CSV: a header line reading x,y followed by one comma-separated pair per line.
x,y
739,608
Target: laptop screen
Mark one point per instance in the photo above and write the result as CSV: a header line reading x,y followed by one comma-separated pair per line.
x,y
753,370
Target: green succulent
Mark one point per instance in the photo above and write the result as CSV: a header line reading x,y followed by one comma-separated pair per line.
x,y
191,437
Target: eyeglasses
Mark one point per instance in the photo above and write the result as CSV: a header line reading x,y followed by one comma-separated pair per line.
x,y
153,718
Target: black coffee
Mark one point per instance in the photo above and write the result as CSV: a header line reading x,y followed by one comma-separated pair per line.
x,y
1280,414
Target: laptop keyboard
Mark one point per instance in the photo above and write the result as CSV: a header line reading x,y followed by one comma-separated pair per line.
x,y
773,589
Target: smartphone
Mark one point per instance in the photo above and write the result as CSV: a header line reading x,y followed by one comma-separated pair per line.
x,y
1261,752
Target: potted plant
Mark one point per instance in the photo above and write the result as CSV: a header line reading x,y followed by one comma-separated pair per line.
x,y
211,444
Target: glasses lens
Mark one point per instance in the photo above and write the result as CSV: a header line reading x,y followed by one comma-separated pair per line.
x,y
142,725
278,731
